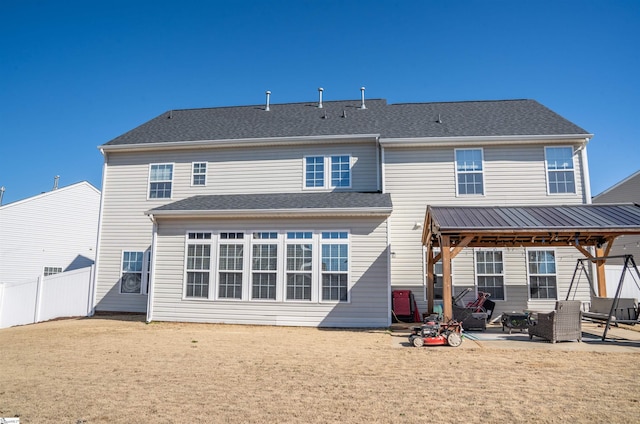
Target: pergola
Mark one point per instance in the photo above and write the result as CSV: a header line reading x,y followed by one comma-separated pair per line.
x,y
589,228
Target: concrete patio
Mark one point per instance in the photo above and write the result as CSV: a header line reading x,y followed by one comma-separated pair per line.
x,y
619,339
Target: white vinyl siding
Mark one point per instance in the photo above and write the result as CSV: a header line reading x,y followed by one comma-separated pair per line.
x,y
416,177
368,306
272,169
54,229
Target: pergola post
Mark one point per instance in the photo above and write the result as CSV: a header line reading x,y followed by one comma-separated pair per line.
x,y
602,279
447,308
430,281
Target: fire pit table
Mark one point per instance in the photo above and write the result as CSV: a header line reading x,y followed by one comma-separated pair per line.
x,y
511,320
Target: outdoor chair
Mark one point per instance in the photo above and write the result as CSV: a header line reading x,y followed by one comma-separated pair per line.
x,y
562,324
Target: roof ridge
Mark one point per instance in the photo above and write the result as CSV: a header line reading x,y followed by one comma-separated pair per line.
x,y
261,105
463,101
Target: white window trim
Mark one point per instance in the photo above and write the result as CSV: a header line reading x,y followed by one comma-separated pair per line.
x,y
504,271
173,173
555,256
304,173
547,171
145,274
313,241
455,168
281,241
346,241
193,173
279,264
246,266
327,185
211,243
328,171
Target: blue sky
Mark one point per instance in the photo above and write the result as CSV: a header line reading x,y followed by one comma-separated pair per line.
x,y
75,74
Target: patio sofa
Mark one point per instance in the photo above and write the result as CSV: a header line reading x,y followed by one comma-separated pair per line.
x,y
562,324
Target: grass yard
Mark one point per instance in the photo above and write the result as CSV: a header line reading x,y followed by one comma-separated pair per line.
x,y
121,370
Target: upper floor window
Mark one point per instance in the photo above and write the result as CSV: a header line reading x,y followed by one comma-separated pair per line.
x,y
542,274
560,171
341,171
327,172
314,172
469,171
199,174
160,180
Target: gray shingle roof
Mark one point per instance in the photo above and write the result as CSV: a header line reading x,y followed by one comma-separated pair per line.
x,y
322,203
442,119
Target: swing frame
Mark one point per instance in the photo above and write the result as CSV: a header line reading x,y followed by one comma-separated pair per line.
x,y
629,264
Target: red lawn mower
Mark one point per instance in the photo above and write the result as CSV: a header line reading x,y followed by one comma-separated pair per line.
x,y
435,333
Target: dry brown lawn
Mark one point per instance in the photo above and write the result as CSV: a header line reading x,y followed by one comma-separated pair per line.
x,y
121,370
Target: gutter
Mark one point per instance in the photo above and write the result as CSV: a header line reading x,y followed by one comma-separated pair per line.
x,y
255,213
485,140
239,142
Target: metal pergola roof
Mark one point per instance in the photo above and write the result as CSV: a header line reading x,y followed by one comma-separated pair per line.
x,y
451,229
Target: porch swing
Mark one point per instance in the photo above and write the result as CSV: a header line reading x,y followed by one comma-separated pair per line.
x,y
614,310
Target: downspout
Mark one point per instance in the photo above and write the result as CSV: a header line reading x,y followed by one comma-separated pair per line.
x,y
99,237
379,167
154,239
585,172
381,186
586,183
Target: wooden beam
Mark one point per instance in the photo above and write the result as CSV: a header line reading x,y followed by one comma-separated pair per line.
x,y
430,281
602,279
584,251
463,243
447,308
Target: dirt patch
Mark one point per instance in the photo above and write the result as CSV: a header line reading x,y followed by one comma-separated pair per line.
x,y
110,370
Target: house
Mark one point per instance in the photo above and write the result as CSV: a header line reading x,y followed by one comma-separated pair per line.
x,y
312,213
625,191
50,233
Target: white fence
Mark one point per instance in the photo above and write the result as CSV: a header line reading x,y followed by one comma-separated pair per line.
x,y
630,286
67,294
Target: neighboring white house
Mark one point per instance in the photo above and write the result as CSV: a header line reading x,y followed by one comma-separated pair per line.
x,y
311,213
625,191
52,232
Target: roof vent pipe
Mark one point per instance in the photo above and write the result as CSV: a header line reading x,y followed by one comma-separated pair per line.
x,y
362,106
1,194
268,93
320,90
55,182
